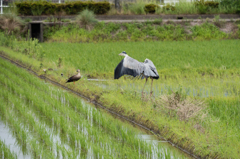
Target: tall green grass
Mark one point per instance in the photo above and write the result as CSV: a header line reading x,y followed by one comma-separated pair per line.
x,y
183,7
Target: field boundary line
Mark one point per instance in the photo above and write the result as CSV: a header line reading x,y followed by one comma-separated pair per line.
x,y
20,65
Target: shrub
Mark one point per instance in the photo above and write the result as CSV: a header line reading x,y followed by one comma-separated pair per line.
x,y
37,8
47,8
202,9
86,18
211,4
169,7
150,8
24,8
231,3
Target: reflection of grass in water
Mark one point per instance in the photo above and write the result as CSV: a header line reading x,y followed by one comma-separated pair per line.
x,y
34,104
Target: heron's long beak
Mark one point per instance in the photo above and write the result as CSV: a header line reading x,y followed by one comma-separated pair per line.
x,y
121,54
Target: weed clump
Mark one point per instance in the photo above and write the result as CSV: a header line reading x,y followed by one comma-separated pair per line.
x,y
150,8
86,18
10,23
177,105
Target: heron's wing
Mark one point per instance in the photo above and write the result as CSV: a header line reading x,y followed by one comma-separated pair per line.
x,y
150,69
118,70
128,66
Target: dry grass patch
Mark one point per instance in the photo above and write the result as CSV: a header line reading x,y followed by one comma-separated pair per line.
x,y
176,105
10,23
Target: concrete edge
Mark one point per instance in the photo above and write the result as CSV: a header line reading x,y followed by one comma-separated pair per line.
x,y
139,17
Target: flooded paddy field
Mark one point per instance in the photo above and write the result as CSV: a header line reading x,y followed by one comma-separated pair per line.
x,y
195,102
39,120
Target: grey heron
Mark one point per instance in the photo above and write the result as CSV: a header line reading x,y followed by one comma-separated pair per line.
x,y
130,66
74,77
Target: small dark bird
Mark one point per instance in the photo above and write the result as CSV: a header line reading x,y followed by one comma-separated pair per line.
x,y
75,77
132,67
62,74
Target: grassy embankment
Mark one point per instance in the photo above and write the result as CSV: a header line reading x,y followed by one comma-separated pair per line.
x,y
49,123
148,31
199,71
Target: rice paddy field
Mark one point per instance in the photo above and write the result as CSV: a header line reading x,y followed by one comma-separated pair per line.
x,y
47,122
195,103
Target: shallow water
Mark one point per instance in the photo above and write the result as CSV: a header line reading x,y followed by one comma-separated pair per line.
x,y
151,139
55,93
10,141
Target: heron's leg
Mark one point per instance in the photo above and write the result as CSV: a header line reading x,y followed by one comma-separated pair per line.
x,y
74,82
151,87
144,86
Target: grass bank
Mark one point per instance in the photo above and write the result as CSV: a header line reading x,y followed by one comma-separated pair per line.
x,y
204,73
148,31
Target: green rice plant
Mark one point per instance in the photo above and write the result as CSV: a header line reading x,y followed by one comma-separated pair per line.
x,y
10,23
19,131
63,124
205,70
5,151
